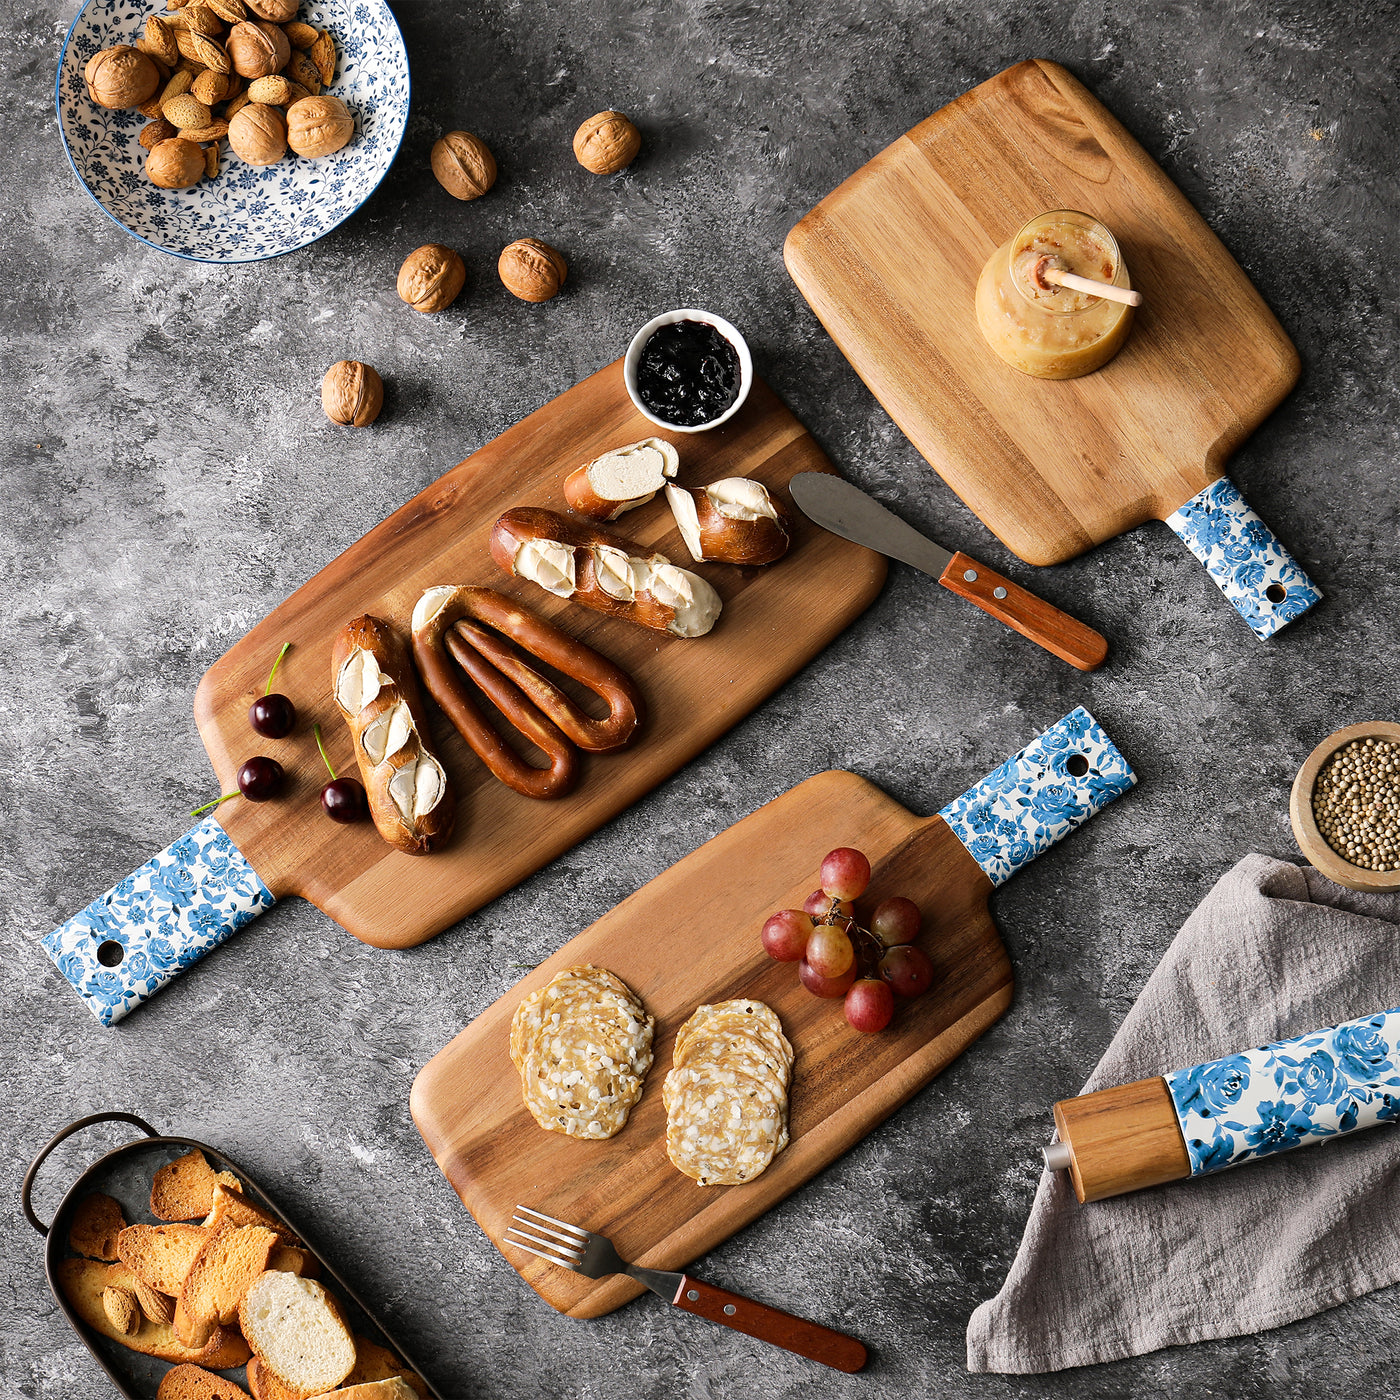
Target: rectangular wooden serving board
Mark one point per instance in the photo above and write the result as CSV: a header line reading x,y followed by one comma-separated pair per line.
x,y
775,620
889,261
688,938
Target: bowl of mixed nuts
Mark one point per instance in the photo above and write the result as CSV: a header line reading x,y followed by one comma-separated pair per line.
x,y
232,130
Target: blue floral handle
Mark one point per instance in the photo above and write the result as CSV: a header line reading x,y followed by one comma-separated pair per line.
x,y
127,944
1056,783
1244,557
1290,1093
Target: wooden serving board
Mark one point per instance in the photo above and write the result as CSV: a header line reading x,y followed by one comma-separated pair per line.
x,y
688,938
775,620
890,260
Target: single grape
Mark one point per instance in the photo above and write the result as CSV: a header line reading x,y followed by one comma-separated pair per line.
x,y
869,1005
273,716
785,935
820,986
343,800
845,873
896,920
260,778
829,951
819,904
907,970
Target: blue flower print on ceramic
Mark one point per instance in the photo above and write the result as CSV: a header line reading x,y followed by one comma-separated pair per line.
x,y
163,917
1244,557
1289,1093
248,212
1056,783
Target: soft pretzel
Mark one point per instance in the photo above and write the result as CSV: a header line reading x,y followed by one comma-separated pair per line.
x,y
461,625
734,521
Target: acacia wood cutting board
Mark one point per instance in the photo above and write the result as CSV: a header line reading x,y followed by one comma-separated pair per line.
x,y
691,937
889,261
775,620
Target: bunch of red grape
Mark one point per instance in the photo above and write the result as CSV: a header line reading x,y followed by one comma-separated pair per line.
x,y
838,957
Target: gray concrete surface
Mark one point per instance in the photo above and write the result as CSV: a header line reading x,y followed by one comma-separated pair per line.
x,y
168,478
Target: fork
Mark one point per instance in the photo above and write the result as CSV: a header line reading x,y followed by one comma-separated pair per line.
x,y
594,1256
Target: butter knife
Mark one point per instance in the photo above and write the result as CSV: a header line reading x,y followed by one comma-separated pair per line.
x,y
836,505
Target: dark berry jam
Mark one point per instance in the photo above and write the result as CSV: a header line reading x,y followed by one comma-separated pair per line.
x,y
688,373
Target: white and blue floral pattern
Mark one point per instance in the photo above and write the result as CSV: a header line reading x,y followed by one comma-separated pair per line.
x,y
159,920
249,212
1244,557
1056,783
1290,1093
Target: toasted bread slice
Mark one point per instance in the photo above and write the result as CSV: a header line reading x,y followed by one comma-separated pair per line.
x,y
230,1208
392,1388
290,1259
373,1363
298,1332
195,1383
182,1189
221,1274
83,1281
97,1222
161,1255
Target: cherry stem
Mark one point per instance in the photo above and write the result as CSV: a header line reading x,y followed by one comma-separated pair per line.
x,y
214,803
316,730
267,689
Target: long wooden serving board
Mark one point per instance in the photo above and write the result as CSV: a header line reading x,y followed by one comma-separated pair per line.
x,y
691,937
890,260
775,620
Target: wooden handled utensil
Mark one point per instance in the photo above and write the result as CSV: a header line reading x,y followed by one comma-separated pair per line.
x,y
836,505
594,1256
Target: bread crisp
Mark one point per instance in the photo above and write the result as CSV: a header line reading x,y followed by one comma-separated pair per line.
x,y
97,1222
394,1388
83,1282
161,1255
221,1274
183,1189
298,1332
230,1208
376,1363
195,1383
290,1259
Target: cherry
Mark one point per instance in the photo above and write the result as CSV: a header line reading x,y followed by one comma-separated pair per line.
x,y
273,716
260,778
342,799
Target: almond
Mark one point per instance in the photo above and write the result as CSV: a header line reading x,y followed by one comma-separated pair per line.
x,y
322,54
186,110
202,49
215,131
159,40
301,35
210,87
156,1306
236,105
231,11
274,89
155,132
180,81
211,157
198,18
122,1310
150,109
300,69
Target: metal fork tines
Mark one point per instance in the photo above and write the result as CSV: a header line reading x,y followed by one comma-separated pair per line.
x,y
581,1250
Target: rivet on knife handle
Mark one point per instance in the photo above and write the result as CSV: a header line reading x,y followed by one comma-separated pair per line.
x,y
795,1334
1059,633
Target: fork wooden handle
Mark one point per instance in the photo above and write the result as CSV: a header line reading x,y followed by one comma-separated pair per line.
x,y
769,1325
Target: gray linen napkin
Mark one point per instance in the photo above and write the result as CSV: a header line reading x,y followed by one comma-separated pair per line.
x,y
1274,950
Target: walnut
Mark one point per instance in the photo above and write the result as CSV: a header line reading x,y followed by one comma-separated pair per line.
x,y
175,164
352,393
463,164
275,11
606,143
258,134
431,277
319,126
532,270
257,49
120,77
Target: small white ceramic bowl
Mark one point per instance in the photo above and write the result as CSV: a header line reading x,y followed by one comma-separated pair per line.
x,y
669,318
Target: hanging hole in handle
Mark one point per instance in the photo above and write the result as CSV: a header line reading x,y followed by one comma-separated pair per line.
x,y
1077,765
110,953
27,1190
1276,593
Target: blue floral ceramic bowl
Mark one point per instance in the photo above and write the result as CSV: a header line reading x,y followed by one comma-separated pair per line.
x,y
248,212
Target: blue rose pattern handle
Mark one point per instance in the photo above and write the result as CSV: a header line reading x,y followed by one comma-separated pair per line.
x,y
1056,783
127,944
1244,557
1291,1093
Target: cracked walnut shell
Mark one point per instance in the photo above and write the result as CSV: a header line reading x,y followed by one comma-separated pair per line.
x,y
463,164
256,49
431,277
319,126
258,134
278,11
606,143
532,270
352,393
175,164
120,77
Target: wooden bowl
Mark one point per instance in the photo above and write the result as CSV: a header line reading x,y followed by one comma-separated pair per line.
x,y
1310,840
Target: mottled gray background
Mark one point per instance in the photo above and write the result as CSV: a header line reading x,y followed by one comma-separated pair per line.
x,y
169,477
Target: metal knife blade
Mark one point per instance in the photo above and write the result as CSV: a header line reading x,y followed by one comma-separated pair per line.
x,y
836,505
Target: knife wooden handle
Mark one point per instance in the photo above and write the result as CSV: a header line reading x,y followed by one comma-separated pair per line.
x,y
1056,631
769,1325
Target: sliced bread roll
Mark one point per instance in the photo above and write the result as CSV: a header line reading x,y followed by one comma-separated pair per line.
x,y
373,1364
195,1383
298,1333
221,1274
161,1255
